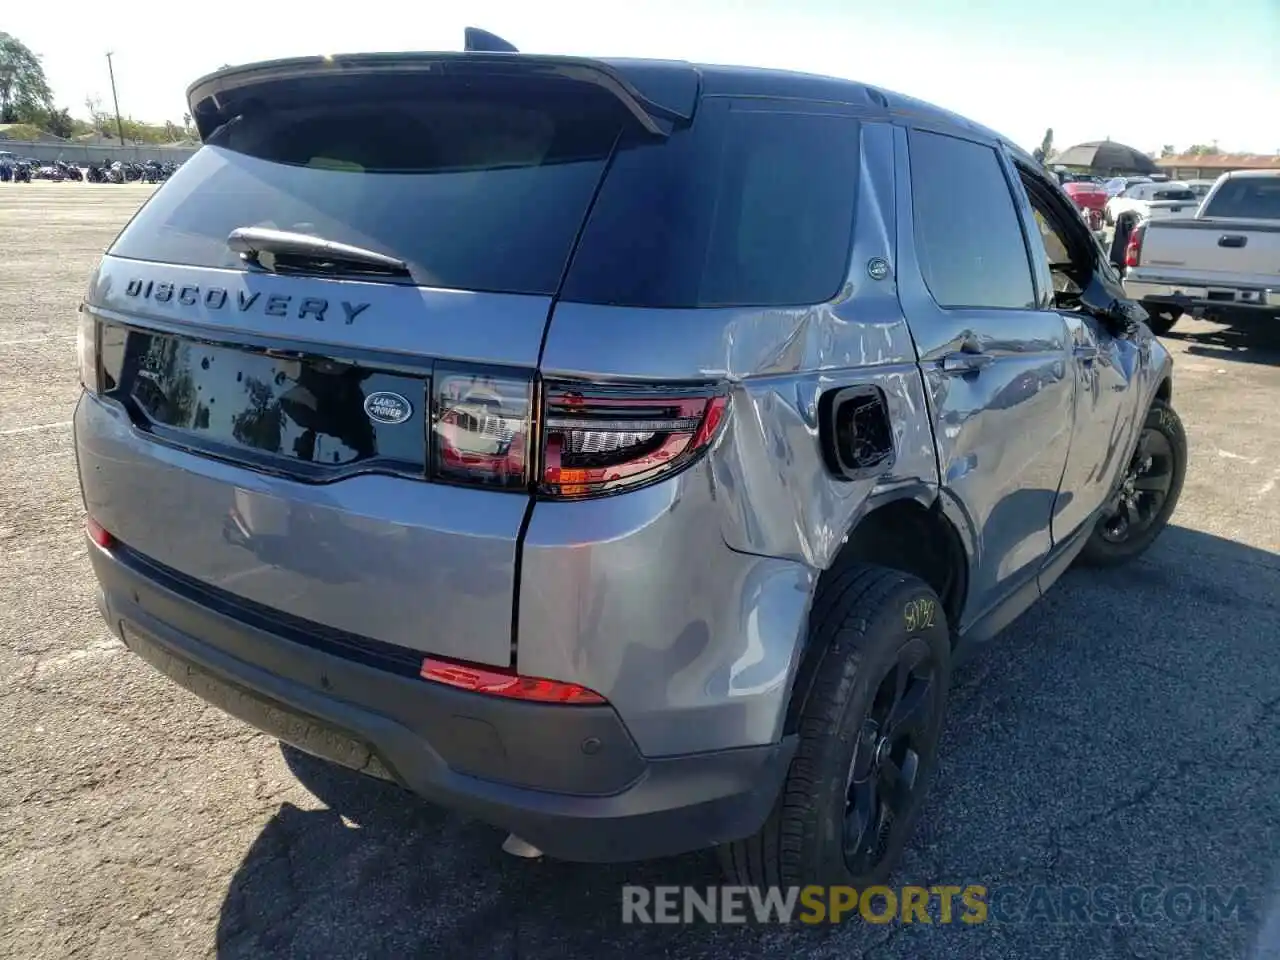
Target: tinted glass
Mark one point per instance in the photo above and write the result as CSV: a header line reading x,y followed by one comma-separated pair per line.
x,y
1255,198
1175,194
746,208
968,236
475,188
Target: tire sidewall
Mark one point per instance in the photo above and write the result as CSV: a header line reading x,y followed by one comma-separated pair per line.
x,y
885,636
1160,417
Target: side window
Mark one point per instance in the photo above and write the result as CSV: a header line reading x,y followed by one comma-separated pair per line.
x,y
968,237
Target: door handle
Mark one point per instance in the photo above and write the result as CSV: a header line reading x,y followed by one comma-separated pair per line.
x,y
1086,352
1232,240
965,361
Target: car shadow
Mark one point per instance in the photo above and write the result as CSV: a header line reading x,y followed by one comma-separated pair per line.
x,y
1241,337
379,873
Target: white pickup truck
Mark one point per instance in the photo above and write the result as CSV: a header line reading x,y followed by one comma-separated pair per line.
x,y
1225,257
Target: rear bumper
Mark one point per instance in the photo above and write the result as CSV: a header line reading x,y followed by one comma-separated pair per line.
x,y
1202,296
568,779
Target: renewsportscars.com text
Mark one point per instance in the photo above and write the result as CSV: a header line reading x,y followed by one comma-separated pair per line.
x,y
939,904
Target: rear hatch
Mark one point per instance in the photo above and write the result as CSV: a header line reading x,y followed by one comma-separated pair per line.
x,y
318,341
1173,202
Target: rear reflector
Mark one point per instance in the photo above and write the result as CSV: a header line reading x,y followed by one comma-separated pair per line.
x,y
501,683
98,533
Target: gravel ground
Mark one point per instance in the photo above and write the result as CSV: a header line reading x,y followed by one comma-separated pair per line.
x,y
1126,732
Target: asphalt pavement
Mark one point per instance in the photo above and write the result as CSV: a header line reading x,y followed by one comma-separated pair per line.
x,y
1121,739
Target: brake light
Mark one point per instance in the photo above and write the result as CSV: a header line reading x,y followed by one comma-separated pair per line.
x,y
1133,249
505,683
602,440
595,439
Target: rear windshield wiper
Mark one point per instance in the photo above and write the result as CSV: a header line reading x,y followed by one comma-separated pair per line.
x,y
283,251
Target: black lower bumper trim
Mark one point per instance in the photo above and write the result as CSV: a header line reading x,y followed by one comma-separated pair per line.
x,y
519,766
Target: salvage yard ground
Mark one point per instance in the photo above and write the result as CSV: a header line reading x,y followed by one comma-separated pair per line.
x,y
1124,732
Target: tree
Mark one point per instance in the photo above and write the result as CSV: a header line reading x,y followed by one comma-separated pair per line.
x,y
24,90
100,119
60,124
1204,150
1167,150
1045,150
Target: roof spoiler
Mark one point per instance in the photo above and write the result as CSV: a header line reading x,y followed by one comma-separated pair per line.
x,y
668,98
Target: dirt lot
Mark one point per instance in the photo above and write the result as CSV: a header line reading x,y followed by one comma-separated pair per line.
x,y
1125,733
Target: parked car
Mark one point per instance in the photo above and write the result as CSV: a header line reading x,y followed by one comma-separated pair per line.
x,y
644,518
1090,198
1226,257
1159,200
1118,185
1200,188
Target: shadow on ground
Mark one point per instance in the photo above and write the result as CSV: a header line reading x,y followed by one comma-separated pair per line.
x,y
1242,337
1124,731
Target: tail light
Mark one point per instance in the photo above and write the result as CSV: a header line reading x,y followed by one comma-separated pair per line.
x,y
593,440
1133,249
601,440
480,424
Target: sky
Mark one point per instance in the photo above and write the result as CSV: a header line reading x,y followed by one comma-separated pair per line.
x,y
1171,72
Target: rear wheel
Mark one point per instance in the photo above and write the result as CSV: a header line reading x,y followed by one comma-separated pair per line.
x,y
1148,494
869,731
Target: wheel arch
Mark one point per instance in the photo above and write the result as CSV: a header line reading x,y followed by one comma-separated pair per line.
x,y
902,534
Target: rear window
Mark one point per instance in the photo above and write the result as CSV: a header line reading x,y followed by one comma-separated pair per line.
x,y
753,206
487,190
1174,195
476,186
1254,198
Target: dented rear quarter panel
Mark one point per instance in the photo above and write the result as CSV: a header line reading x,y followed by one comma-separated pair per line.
x,y
699,587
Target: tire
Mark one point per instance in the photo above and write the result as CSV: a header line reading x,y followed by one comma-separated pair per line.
x,y
1164,440
872,623
1161,317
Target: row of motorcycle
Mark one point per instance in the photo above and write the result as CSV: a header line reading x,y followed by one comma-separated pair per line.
x,y
118,171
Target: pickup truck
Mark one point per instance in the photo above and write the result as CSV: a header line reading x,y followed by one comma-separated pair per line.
x,y
1226,257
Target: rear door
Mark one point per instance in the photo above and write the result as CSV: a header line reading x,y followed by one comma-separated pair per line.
x,y
328,434
996,365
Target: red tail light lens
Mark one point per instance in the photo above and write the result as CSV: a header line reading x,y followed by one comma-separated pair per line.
x,y
480,429
504,683
98,533
1133,249
602,440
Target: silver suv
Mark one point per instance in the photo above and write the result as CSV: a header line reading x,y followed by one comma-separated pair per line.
x,y
619,452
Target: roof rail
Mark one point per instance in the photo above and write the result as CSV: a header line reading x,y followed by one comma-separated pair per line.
x,y
475,40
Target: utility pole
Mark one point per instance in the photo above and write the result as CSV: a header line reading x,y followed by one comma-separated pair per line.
x,y
116,100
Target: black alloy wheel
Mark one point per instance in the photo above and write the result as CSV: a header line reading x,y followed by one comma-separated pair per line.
x,y
885,771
